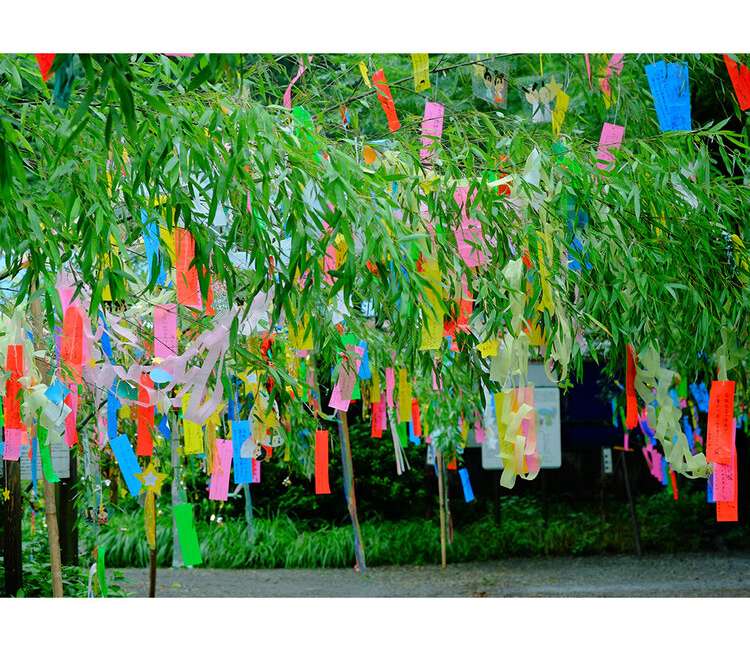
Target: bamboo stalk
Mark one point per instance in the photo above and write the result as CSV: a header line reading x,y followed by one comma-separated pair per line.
x,y
351,499
152,574
441,497
176,551
50,507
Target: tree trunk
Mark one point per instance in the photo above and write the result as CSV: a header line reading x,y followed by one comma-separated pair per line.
x,y
50,508
12,516
351,499
176,552
69,514
441,502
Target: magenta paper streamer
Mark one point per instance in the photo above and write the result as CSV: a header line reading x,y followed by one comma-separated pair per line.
x,y
219,487
390,384
288,92
469,237
165,331
13,439
341,395
611,137
256,471
724,475
432,128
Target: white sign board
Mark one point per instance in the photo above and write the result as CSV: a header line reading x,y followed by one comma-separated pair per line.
x,y
60,461
547,419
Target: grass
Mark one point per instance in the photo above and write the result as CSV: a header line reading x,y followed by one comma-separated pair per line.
x,y
280,542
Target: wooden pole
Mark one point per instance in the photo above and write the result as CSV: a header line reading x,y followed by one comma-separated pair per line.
x,y
441,498
152,574
631,506
351,499
176,551
50,507
249,513
12,517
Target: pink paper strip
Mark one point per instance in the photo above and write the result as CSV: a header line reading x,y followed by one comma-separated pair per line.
x,y
13,439
341,396
165,332
588,67
611,137
469,237
71,432
288,92
614,66
256,471
219,486
390,384
432,128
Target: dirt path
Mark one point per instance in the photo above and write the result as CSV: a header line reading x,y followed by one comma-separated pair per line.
x,y
664,575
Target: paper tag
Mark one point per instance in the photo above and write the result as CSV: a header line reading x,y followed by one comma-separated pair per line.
x,y
740,76
127,462
219,485
721,426
421,65
611,137
186,534
670,87
432,128
321,462
386,100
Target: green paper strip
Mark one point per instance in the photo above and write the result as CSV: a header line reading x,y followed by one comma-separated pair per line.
x,y
188,537
402,434
101,572
46,455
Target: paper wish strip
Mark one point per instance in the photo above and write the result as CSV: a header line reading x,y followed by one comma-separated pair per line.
x,y
432,128
740,76
721,425
610,138
322,485
670,87
127,462
219,485
386,100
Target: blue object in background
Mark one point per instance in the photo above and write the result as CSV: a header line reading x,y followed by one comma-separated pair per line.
x,y
466,484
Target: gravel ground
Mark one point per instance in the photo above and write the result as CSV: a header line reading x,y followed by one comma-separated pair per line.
x,y
622,576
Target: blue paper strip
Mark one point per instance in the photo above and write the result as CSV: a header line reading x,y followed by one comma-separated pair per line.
x,y
243,466
127,462
151,241
466,484
113,404
670,87
364,366
164,427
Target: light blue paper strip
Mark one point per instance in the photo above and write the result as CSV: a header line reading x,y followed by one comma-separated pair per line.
x,y
127,462
466,484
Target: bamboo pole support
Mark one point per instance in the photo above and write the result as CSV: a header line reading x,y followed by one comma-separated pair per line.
x,y
351,499
50,507
441,497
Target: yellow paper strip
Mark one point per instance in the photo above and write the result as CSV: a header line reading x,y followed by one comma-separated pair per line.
x,y
421,64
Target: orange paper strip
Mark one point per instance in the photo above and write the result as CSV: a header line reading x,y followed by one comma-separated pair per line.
x,y
631,417
188,288
386,100
11,401
145,421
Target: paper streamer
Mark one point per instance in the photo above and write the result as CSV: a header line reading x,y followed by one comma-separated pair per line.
x,y
611,137
740,77
469,236
188,287
386,100
288,92
721,426
219,485
145,414
432,128
45,61
670,87
186,534
322,485
12,447
243,467
11,401
631,419
466,484
127,462
421,65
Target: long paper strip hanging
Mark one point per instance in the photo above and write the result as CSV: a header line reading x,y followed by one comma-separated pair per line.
x,y
421,64
71,346
727,511
631,402
71,429
151,243
243,466
670,87
128,463
322,485
610,138
740,76
165,333
186,534
188,286
145,419
721,425
386,100
469,236
404,396
288,92
432,128
219,485
466,485
11,401
193,431
12,447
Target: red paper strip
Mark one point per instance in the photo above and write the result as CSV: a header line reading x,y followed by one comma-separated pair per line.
x,y
378,411
71,431
673,480
453,464
386,100
71,345
721,426
188,287
321,462
145,419
631,416
11,401
740,76
415,419
728,510
45,63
